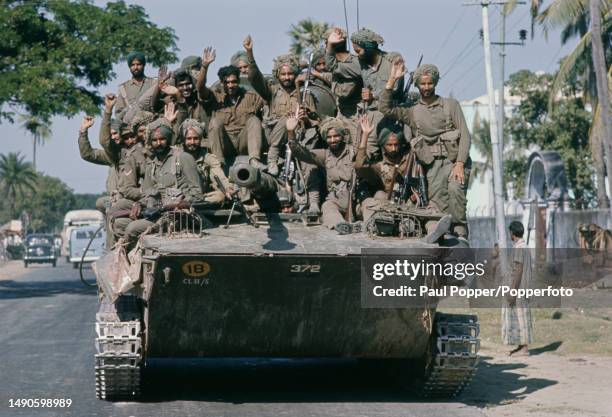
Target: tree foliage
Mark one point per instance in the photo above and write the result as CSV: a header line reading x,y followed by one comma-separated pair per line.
x,y
307,34
54,54
17,178
565,130
46,199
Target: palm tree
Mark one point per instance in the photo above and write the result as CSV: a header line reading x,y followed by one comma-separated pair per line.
x,y
40,131
307,34
574,17
17,177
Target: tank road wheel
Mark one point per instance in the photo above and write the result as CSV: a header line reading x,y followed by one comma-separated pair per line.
x,y
452,356
119,355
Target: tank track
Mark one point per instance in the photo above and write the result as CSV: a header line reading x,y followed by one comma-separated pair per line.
x,y
453,355
118,357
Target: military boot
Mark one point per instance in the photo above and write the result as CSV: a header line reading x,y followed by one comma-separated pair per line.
x,y
314,207
436,229
273,161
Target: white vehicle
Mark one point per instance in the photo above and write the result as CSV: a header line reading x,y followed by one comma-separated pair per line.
x,y
79,239
76,218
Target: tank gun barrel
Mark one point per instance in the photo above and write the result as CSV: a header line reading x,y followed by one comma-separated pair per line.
x,y
243,174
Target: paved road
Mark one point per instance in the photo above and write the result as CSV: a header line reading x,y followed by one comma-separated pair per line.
x,y
46,351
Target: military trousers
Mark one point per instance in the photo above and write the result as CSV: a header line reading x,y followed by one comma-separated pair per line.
x,y
370,205
449,196
334,208
225,145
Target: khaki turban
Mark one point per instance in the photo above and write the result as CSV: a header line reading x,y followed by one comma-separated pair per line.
x,y
427,69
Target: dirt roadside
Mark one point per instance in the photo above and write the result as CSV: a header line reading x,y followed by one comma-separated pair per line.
x,y
542,385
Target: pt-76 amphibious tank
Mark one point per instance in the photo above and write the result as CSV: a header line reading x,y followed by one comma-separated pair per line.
x,y
283,286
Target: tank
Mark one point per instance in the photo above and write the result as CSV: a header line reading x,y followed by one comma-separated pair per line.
x,y
282,286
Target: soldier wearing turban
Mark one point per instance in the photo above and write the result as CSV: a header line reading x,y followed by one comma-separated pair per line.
x,y
131,90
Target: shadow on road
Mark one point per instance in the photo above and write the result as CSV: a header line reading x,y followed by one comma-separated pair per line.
x,y
551,347
10,289
496,384
273,380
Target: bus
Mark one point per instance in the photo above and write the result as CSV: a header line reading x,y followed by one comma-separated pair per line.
x,y
74,219
80,237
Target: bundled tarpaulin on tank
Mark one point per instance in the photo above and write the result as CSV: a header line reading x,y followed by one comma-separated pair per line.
x,y
115,274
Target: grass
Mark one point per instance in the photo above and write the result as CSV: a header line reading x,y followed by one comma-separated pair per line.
x,y
579,331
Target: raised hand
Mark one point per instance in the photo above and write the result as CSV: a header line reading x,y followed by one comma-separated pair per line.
x,y
163,75
247,43
170,90
335,37
366,126
170,112
397,70
292,123
87,122
208,56
109,101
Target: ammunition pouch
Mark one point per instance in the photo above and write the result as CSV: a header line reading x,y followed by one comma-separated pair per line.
x,y
444,146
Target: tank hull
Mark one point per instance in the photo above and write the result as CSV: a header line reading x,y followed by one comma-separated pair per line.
x,y
272,306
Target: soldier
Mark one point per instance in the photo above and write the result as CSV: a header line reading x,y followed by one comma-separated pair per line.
x,y
386,175
337,160
234,128
282,98
240,60
319,72
192,64
171,182
441,141
375,65
208,165
131,90
346,77
98,157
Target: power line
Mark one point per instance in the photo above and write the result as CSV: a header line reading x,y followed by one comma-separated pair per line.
x,y
450,33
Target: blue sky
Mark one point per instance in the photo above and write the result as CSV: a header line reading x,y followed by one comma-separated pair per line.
x,y
445,31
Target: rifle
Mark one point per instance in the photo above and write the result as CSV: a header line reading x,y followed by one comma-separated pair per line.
x,y
236,202
411,80
413,179
348,216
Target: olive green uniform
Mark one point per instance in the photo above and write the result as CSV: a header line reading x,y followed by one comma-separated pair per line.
x,y
99,157
282,105
346,87
234,128
339,173
128,95
441,138
383,176
208,166
166,180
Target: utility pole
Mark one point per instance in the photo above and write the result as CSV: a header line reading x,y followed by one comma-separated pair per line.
x,y
502,76
500,218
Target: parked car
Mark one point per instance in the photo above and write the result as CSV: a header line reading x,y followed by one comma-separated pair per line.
x,y
79,238
39,248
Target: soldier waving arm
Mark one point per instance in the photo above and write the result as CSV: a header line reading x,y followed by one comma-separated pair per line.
x,y
208,58
256,78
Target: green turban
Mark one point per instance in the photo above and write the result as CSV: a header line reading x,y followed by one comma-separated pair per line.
x,y
192,62
165,132
237,57
136,55
192,124
333,123
386,133
291,60
115,125
142,117
125,130
317,54
427,69
367,39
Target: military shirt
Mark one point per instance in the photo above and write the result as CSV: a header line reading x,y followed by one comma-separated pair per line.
x,y
281,102
346,82
233,113
208,166
98,157
170,177
338,168
375,78
430,120
381,174
132,167
129,93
